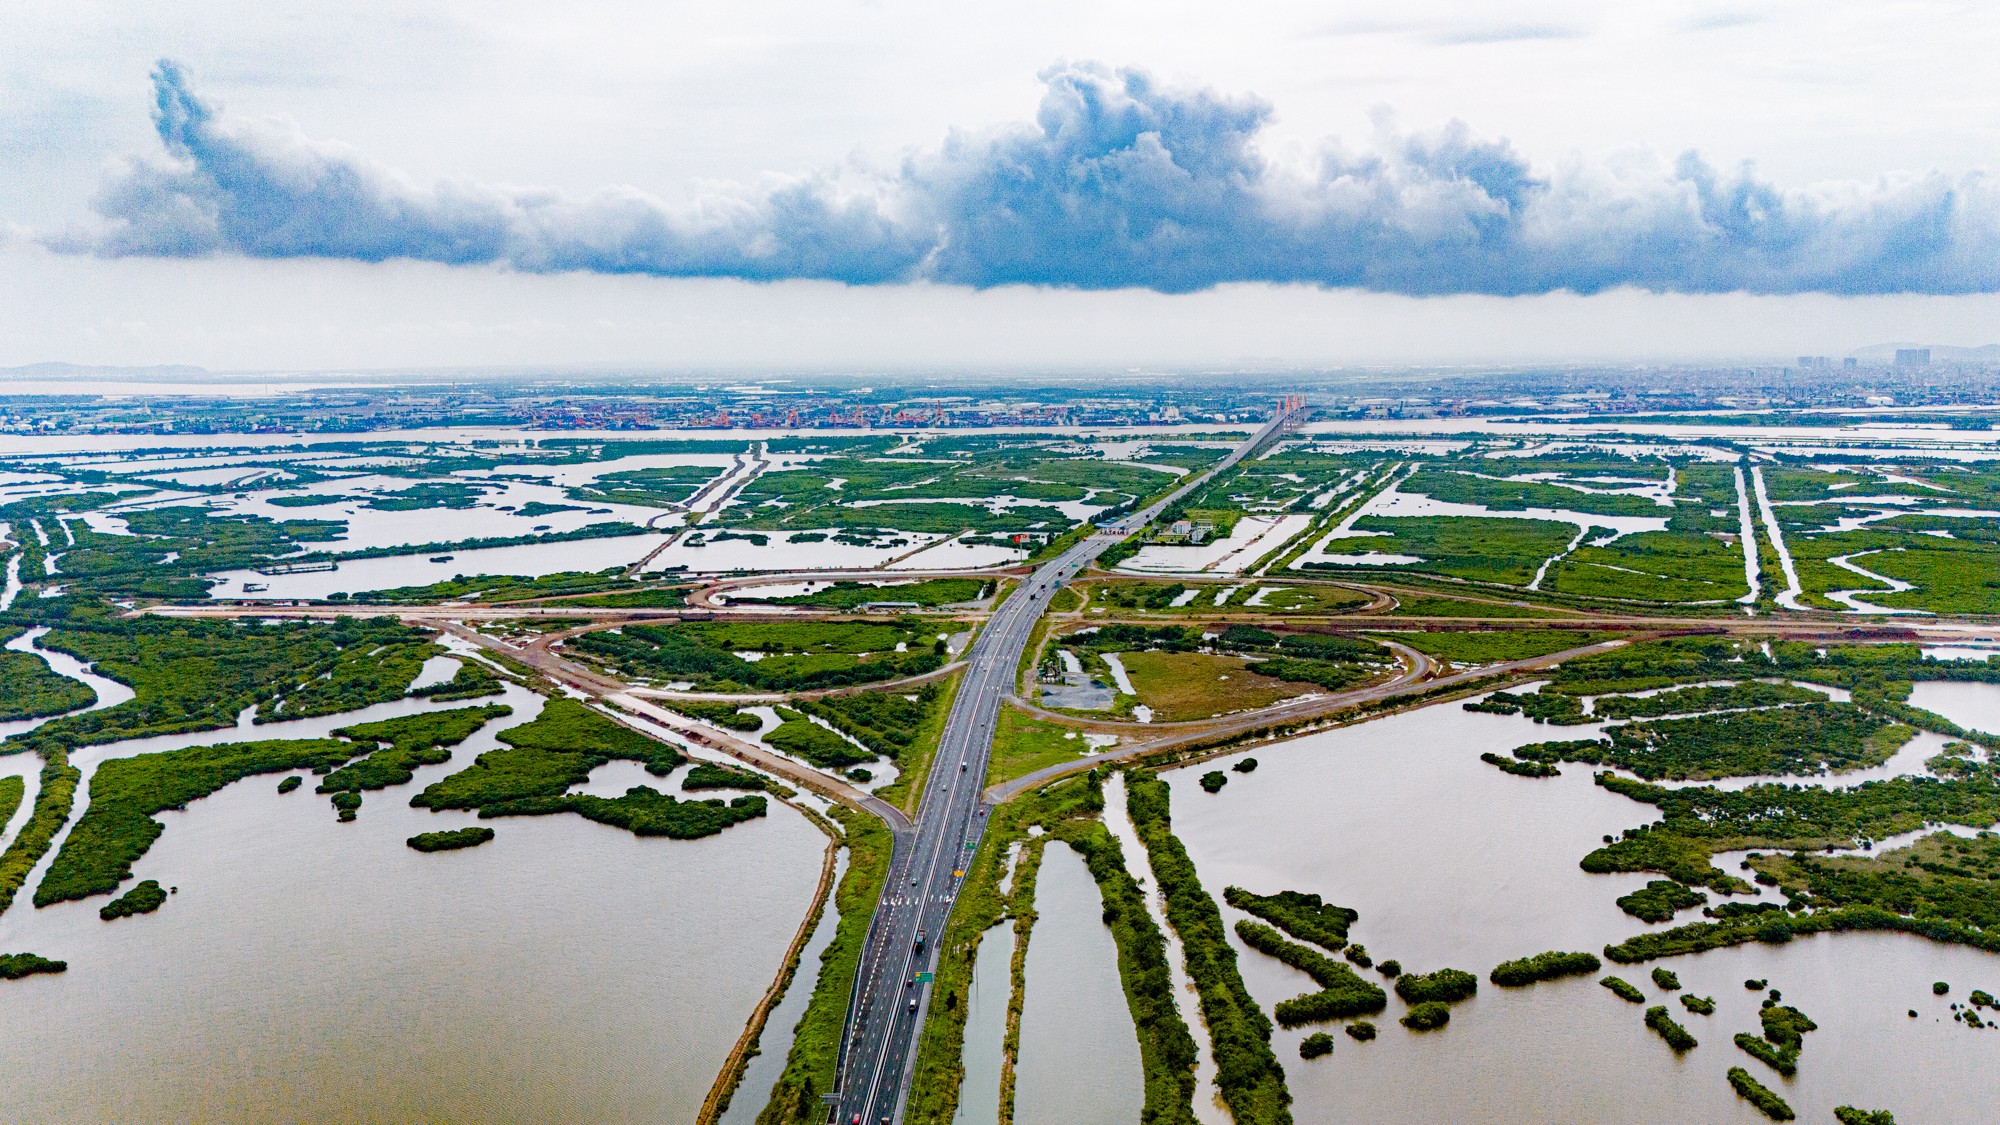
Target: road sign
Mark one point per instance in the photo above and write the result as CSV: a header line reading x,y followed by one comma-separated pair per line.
x,y
926,978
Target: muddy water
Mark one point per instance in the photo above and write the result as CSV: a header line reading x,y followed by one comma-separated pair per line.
x,y
1079,1057
1452,863
566,971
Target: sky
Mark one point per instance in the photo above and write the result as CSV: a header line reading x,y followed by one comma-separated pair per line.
x,y
777,186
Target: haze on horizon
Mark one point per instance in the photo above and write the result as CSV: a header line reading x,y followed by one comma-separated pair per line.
x,y
846,185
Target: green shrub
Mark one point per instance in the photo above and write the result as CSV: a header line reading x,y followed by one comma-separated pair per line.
x,y
290,783
1445,986
1247,765
1361,1031
641,811
1214,780
1541,967
545,758
1848,1115
726,715
1624,989
803,738
145,898
1676,1036
405,744
1659,900
709,775
1166,1048
1784,1062
1314,1045
347,805
1665,980
1519,768
1785,1025
1306,917
450,841
1427,1016
1342,993
1750,1090
1699,1005
14,966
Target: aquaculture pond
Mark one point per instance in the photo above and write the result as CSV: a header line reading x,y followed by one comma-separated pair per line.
x,y
564,971
1079,1058
390,572
1452,863
986,1029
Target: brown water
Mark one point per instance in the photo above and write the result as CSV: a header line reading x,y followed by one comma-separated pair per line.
x,y
1452,863
315,971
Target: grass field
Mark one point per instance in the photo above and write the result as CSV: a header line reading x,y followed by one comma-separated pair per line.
x,y
1654,566
1193,685
1023,744
1478,548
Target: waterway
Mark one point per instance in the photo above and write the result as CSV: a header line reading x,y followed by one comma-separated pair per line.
x,y
1079,1056
1452,863
774,1045
566,971
986,1029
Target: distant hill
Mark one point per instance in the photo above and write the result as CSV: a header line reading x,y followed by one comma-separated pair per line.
x,y
90,371
1940,353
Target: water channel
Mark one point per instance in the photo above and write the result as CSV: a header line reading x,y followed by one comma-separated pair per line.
x,y
1079,1057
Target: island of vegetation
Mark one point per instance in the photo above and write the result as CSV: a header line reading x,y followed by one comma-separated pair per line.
x,y
14,966
1663,1024
1754,1092
1624,989
144,898
1445,985
1427,1016
450,840
1541,967
1342,993
1304,916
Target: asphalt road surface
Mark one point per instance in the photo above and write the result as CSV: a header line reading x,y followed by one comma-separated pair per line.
x,y
878,1054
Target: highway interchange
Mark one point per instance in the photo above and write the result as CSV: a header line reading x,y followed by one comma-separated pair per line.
x,y
878,1052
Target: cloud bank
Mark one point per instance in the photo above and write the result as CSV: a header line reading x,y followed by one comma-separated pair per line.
x,y
1118,183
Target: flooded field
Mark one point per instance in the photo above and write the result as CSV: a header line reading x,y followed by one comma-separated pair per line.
x,y
1454,864
564,971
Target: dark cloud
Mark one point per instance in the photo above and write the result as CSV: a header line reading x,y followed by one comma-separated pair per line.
x,y
1118,183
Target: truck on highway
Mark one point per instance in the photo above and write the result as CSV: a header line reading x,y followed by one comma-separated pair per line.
x,y
920,937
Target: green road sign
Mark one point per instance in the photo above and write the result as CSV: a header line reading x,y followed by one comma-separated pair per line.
x,y
926,978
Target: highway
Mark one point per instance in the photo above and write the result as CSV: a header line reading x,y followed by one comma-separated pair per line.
x,y
928,865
